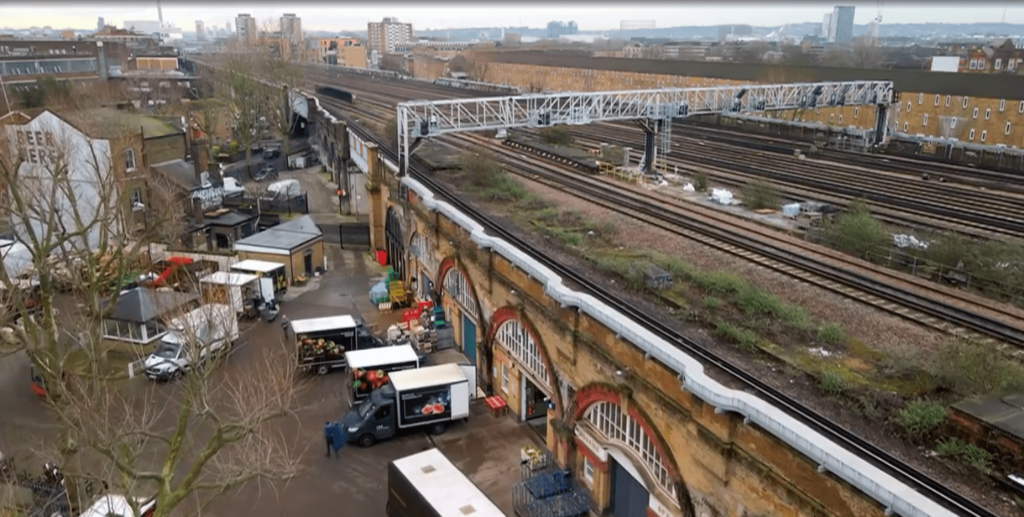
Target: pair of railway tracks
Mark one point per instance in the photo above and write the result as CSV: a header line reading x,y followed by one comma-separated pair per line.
x,y
939,307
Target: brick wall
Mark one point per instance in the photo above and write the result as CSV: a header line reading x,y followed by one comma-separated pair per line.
x,y
165,148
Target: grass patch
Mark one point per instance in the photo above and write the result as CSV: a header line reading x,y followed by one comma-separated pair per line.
x,y
831,334
700,182
711,302
970,368
745,339
832,383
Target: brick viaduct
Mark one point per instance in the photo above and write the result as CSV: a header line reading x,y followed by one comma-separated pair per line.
x,y
613,409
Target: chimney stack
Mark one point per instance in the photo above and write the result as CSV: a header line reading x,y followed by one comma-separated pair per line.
x,y
200,158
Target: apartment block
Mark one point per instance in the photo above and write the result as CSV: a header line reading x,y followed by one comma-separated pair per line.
x,y
245,29
384,35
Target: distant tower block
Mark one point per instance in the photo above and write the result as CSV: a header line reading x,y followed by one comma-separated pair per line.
x,y
633,25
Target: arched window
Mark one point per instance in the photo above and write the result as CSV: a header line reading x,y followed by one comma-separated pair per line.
x,y
421,249
129,160
458,287
519,342
619,427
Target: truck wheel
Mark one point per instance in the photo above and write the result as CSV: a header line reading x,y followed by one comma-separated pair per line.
x,y
322,369
366,440
437,429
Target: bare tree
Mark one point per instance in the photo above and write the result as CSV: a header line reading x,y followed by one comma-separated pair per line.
x,y
246,98
288,75
865,53
70,199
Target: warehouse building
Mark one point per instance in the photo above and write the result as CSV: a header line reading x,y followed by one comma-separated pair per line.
x,y
298,244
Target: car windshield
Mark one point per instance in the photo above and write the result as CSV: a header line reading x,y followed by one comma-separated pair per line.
x,y
167,350
366,409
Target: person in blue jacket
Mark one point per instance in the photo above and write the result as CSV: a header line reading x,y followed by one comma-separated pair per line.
x,y
334,437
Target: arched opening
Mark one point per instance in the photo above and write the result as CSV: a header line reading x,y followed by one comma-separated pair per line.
x,y
521,368
465,317
421,247
620,446
393,243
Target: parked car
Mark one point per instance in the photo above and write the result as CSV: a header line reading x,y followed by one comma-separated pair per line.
x,y
271,154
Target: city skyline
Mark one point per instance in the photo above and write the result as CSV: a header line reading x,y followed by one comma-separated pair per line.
x,y
21,15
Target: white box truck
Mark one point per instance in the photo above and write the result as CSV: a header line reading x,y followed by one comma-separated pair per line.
x,y
237,290
428,484
191,339
370,368
432,397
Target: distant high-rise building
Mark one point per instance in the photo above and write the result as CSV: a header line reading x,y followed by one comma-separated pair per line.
x,y
841,24
872,31
245,29
227,26
556,29
200,30
826,27
291,28
100,23
384,35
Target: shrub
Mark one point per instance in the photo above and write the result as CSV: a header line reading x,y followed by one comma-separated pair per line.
x,y
920,419
970,368
831,334
967,453
557,135
700,182
759,194
506,188
856,232
719,282
753,301
711,302
832,384
612,154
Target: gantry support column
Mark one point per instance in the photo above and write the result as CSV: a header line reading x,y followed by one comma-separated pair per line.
x,y
652,130
881,123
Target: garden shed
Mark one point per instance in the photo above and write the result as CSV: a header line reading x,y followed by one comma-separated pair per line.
x,y
138,314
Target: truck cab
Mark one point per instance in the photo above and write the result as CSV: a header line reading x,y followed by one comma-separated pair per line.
x,y
191,339
373,420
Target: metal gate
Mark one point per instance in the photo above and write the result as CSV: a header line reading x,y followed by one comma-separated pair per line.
x,y
394,244
629,497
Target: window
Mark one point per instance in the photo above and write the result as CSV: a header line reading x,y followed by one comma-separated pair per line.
x,y
970,136
831,118
840,119
920,98
514,337
136,197
458,287
129,160
974,64
1007,130
906,126
952,122
504,378
588,470
908,106
382,413
983,135
1020,109
999,64
856,111
965,102
947,101
981,64
609,420
924,120
975,112
936,99
988,113
1002,105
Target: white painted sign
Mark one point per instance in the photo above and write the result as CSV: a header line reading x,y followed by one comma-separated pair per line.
x,y
662,510
591,443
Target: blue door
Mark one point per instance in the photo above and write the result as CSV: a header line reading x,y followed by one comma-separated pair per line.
x,y
469,339
629,497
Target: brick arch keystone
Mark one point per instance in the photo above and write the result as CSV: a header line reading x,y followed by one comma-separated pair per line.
x,y
510,313
599,392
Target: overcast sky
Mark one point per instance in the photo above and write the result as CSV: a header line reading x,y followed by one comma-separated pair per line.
x,y
331,16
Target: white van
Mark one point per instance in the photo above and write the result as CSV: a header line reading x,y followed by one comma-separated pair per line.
x,y
190,339
283,190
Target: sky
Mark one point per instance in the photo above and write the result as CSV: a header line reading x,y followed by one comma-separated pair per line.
x,y
330,16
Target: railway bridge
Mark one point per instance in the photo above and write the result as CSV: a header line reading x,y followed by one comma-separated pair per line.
x,y
635,418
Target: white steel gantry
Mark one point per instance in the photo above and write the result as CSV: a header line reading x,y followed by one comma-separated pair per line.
x,y
654,109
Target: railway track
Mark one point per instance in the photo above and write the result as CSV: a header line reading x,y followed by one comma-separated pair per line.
x,y
900,470
924,302
996,216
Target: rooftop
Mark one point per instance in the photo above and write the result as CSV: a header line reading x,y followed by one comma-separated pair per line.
x,y
140,305
287,236
180,172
